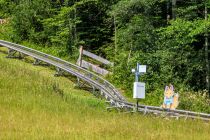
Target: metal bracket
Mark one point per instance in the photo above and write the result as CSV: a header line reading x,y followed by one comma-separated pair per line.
x,y
94,90
11,53
59,72
134,109
21,55
145,110
78,82
106,97
102,94
186,117
89,75
115,105
37,62
81,83
121,106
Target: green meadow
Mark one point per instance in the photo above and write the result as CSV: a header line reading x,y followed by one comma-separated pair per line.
x,y
36,105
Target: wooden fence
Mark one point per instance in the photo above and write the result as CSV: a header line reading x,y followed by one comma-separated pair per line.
x,y
90,66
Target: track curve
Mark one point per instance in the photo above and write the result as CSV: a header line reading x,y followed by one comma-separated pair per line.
x,y
110,93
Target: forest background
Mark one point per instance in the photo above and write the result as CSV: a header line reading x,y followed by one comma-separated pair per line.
x,y
171,37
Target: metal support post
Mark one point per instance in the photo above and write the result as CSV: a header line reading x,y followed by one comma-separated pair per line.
x,y
101,93
21,55
137,75
137,104
94,90
78,82
11,53
59,72
37,62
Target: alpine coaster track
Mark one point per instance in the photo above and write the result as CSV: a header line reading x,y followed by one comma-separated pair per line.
x,y
107,90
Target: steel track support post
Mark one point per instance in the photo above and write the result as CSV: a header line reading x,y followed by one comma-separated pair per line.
x,y
36,62
94,90
21,55
11,53
113,103
145,110
106,97
59,72
186,116
78,82
102,94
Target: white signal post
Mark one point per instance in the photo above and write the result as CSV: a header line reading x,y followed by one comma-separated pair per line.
x,y
139,87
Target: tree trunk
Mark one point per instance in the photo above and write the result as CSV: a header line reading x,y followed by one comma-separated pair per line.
x,y
174,9
168,13
207,52
115,41
75,25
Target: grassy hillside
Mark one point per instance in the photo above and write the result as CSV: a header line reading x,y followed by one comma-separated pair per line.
x,y
36,105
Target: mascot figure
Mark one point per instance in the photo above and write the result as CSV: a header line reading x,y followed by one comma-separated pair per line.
x,y
170,98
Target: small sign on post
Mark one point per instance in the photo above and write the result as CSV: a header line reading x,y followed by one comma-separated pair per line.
x,y
139,87
142,68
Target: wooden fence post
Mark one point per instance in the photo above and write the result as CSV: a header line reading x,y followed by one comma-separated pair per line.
x,y
80,55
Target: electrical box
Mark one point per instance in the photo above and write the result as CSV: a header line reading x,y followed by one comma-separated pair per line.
x,y
139,90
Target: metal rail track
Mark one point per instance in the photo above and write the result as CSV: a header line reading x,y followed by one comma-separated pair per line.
x,y
107,90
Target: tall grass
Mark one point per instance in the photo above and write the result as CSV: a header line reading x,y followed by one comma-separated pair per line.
x,y
36,105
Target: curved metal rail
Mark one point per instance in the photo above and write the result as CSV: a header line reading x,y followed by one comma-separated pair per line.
x,y
111,94
103,85
165,112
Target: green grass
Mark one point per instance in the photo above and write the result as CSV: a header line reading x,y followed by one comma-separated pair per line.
x,y
36,105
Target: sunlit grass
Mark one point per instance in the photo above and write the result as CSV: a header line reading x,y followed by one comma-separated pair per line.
x,y
36,105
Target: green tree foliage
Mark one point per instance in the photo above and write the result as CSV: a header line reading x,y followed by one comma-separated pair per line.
x,y
6,7
173,52
65,23
168,38
135,39
181,41
27,19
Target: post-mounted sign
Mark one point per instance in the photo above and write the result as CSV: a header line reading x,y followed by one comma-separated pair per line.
x,y
139,87
142,68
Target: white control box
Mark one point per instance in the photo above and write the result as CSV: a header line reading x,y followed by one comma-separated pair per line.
x,y
139,90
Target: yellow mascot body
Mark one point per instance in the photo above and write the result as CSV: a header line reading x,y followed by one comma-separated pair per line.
x,y
170,98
